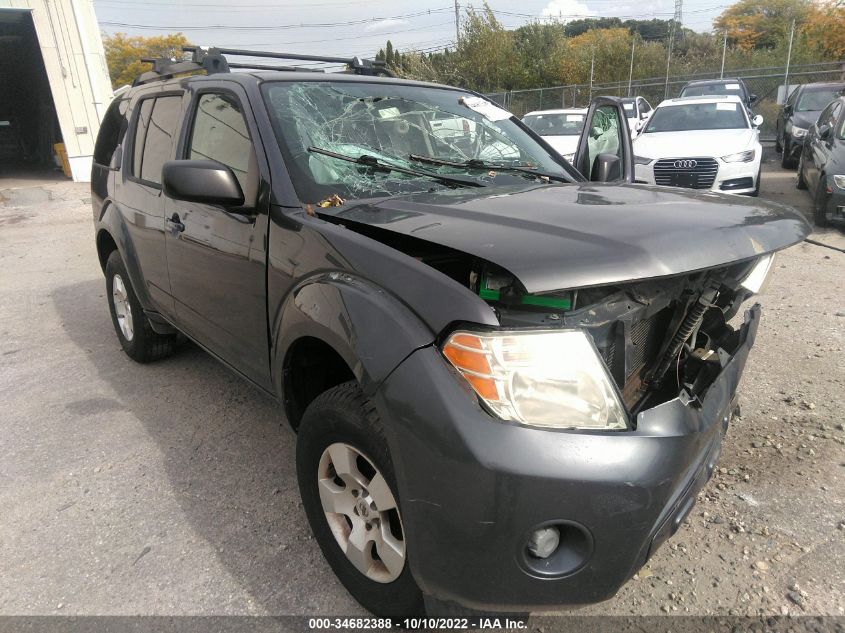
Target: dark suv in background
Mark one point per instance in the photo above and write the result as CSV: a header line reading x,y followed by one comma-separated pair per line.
x,y
711,87
798,113
509,375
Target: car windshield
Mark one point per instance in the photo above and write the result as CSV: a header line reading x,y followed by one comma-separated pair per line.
x,y
397,125
708,90
556,123
697,116
817,100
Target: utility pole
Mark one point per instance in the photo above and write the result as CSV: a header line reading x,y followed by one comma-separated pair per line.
x,y
592,68
724,50
457,22
677,22
788,60
631,71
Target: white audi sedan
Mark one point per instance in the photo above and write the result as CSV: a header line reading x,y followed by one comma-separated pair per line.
x,y
701,143
559,128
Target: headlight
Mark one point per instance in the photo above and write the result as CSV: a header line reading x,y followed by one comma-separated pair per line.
x,y
839,181
798,132
642,160
757,276
740,157
545,378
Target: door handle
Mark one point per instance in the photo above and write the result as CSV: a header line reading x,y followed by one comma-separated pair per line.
x,y
175,224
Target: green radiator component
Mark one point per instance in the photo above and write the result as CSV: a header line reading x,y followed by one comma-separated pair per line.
x,y
542,301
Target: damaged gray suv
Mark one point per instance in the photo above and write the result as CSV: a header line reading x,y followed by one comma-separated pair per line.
x,y
509,375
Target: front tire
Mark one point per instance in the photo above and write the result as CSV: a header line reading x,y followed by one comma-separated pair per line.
x,y
802,183
820,204
786,160
349,493
134,331
756,191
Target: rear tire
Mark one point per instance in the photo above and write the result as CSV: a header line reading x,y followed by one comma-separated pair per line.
x,y
341,451
137,337
820,204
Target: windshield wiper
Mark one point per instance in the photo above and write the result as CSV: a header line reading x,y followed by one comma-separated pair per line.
x,y
373,162
475,163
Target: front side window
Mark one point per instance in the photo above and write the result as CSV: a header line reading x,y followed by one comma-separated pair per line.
x,y
698,116
556,124
220,133
434,130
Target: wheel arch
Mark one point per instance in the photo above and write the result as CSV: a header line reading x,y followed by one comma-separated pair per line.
x,y
334,328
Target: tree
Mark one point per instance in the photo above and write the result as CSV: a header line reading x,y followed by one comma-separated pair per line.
x,y
124,53
824,28
760,24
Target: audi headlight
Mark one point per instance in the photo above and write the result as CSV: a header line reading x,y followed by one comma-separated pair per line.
x,y
759,273
740,157
839,181
552,379
798,132
642,160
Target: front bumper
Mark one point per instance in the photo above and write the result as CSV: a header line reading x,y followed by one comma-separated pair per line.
x,y
472,489
727,178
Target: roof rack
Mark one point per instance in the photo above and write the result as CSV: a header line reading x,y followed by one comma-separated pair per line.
x,y
214,61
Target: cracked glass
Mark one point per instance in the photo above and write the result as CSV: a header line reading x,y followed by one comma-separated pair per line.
x,y
396,125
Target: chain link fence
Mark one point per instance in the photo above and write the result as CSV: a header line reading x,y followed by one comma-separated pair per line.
x,y
767,83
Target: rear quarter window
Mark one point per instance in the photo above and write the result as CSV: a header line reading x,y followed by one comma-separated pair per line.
x,y
112,130
155,133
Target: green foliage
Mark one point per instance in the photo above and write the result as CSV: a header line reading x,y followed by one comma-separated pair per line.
x,y
124,53
491,58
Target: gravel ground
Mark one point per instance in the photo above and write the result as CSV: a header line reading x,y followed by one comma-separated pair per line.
x,y
170,488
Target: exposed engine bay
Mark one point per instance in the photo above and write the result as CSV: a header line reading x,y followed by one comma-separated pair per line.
x,y
660,339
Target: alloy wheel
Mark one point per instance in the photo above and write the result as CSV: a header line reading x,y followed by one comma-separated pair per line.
x,y
361,512
122,309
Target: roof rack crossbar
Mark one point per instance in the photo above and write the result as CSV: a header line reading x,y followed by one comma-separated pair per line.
x,y
356,64
268,67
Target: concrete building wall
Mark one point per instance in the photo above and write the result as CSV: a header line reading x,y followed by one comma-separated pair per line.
x,y
70,42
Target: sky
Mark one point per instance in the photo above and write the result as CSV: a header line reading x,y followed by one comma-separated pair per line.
x,y
358,28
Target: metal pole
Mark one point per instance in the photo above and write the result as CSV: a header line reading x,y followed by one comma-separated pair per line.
x,y
788,60
631,71
457,22
724,50
592,68
668,61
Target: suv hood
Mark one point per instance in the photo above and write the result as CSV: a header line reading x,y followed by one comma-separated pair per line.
x,y
554,237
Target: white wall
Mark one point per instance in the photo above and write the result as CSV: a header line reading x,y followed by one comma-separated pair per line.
x,y
70,42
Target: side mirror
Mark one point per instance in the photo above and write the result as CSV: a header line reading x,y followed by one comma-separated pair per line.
x,y
752,99
757,121
824,132
643,115
606,168
204,181
787,109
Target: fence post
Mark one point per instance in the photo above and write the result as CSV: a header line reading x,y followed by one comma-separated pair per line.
x,y
788,59
631,71
724,50
592,68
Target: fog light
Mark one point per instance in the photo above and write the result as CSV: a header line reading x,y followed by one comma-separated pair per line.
x,y
544,542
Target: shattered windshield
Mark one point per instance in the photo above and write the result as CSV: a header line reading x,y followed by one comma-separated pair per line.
x,y
413,128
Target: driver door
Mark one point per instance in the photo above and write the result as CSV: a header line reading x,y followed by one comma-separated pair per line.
x,y
605,153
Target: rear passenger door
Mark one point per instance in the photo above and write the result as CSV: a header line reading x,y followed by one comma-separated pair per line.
x,y
216,255
138,191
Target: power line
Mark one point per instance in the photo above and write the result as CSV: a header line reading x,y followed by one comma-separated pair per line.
x,y
281,27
